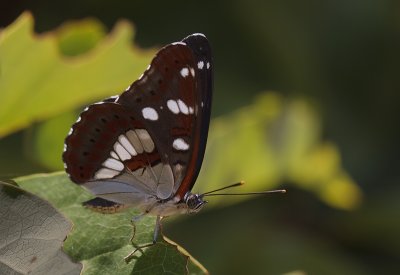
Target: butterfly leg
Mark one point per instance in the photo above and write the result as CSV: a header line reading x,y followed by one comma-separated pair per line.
x,y
137,247
133,222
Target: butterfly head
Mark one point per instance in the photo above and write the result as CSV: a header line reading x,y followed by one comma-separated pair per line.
x,y
194,202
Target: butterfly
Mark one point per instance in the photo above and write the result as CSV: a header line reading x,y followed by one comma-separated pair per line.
x,y
145,147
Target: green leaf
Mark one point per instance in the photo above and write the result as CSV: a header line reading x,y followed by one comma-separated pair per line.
x,y
34,75
77,37
45,141
32,235
275,140
102,241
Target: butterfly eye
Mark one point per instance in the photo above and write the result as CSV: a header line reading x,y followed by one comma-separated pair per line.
x,y
194,202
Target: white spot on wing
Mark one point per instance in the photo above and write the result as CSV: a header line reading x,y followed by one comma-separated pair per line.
x,y
183,107
121,151
143,78
134,140
184,72
178,169
113,164
150,113
198,34
146,140
191,111
178,43
127,145
114,155
208,65
105,173
200,65
192,71
180,144
173,106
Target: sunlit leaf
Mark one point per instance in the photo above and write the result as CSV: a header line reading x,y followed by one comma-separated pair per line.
x,y
272,141
77,37
39,82
45,141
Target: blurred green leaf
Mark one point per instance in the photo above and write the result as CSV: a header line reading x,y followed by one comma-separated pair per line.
x,y
40,83
273,141
45,141
101,241
32,235
77,37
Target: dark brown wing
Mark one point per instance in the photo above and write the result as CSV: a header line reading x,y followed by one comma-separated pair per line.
x,y
201,50
155,131
95,138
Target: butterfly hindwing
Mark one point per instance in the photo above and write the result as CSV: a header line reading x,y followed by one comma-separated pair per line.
x,y
104,141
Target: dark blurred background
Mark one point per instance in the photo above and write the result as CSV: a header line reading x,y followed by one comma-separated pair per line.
x,y
341,55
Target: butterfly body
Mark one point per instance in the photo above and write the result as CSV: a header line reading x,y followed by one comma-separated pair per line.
x,y
144,148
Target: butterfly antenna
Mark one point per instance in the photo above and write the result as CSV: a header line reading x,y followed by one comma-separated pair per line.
x,y
212,193
223,188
